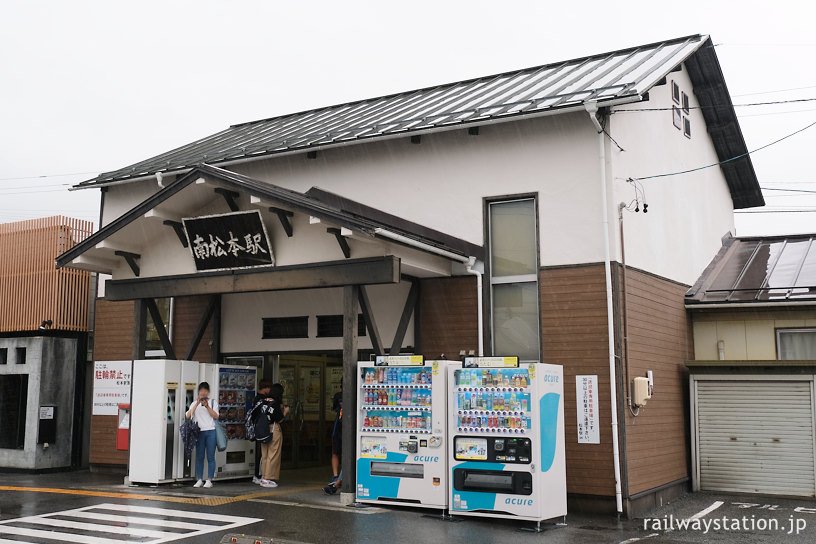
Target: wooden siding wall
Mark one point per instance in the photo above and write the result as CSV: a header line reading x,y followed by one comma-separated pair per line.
x,y
32,289
448,309
187,313
113,341
659,331
574,334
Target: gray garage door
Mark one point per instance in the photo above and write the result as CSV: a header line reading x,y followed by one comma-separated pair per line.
x,y
756,437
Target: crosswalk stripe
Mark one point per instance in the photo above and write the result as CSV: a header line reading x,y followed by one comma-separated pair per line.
x,y
133,519
151,521
166,512
54,535
96,527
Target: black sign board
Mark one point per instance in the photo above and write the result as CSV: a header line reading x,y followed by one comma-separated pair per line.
x,y
232,240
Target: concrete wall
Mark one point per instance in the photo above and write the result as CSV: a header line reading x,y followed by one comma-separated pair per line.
x,y
748,335
51,369
689,213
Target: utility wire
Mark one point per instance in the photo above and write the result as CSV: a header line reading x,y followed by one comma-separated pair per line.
x,y
49,176
771,103
787,190
727,160
776,91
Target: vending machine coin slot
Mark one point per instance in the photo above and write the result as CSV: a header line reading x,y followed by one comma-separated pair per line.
x,y
409,446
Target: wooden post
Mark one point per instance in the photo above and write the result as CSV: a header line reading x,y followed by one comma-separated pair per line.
x,y
350,338
139,329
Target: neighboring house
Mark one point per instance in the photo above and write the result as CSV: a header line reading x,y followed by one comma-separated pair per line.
x,y
753,377
477,216
44,323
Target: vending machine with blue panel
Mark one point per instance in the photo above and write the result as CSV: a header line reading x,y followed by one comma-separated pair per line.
x,y
506,439
401,424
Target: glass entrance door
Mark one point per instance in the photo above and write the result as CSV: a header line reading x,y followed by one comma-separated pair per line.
x,y
307,430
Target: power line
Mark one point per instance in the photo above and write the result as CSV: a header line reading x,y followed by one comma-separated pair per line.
x,y
49,176
743,116
776,91
727,160
771,103
787,190
746,212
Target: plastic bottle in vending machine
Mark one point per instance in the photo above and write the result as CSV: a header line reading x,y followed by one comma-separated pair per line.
x,y
524,403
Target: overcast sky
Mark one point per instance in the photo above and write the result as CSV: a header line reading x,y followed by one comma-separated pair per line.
x,y
94,86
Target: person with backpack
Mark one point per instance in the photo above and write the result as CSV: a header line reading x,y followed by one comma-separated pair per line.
x,y
267,416
204,412
261,397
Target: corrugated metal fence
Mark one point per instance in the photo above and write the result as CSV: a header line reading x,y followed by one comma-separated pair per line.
x,y
32,290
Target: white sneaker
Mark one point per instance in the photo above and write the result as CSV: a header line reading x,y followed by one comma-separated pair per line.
x,y
256,480
198,483
208,483
268,483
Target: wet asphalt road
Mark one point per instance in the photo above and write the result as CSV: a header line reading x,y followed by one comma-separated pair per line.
x,y
301,513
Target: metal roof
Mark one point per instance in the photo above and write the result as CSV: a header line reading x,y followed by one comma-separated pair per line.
x,y
608,78
327,206
759,270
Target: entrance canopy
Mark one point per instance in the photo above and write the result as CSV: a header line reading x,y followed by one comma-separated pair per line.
x,y
215,231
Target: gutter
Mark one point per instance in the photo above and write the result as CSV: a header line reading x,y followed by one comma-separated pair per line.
x,y
738,305
592,110
470,267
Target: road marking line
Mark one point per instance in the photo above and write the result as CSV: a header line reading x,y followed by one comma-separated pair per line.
x,y
372,510
46,526
638,538
201,501
706,511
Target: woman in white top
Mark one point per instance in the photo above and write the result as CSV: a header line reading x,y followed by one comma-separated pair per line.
x,y
204,411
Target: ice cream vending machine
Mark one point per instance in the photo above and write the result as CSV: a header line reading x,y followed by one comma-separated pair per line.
x,y
234,388
506,439
401,422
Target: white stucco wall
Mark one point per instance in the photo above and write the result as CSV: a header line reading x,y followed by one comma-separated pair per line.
x,y
689,213
242,315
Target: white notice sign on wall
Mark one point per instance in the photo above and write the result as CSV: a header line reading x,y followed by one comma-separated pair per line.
x,y
586,394
111,386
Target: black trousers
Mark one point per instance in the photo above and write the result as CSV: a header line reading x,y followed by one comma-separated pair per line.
x,y
257,459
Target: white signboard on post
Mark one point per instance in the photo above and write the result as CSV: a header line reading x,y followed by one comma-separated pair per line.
x,y
586,394
111,386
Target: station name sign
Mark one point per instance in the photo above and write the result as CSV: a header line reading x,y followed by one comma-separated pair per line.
x,y
231,240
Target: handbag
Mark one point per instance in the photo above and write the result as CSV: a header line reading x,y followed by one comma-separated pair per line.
x,y
220,436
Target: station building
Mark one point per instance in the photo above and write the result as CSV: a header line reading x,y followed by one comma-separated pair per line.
x,y
528,213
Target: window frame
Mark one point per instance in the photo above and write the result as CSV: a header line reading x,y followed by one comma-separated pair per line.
x,y
491,281
782,330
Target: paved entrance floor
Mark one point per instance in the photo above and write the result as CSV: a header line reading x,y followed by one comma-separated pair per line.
x,y
98,509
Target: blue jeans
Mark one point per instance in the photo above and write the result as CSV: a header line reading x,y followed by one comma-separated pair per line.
x,y
206,443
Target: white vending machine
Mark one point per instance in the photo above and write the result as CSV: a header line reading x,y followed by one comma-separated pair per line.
x,y
401,419
234,388
506,433
162,392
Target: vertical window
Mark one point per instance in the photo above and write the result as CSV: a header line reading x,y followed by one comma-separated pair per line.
x,y
21,356
3,356
796,344
513,243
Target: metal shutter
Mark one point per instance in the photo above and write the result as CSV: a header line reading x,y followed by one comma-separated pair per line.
x,y
756,437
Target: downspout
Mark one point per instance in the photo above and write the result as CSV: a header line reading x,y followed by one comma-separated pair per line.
x,y
592,110
471,270
470,267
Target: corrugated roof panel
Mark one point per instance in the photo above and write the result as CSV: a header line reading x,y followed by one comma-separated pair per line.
x,y
521,92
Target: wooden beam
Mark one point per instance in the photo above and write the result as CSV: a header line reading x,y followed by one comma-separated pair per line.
x,y
178,228
130,259
155,314
230,197
405,319
367,271
350,354
216,343
341,241
371,325
284,216
116,246
201,329
139,330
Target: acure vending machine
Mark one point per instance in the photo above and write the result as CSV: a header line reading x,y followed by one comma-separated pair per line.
x,y
506,433
234,388
401,452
